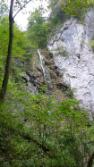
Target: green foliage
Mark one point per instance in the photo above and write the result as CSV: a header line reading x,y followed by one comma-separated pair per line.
x,y
39,131
3,42
57,16
21,45
43,89
77,7
38,30
3,36
20,42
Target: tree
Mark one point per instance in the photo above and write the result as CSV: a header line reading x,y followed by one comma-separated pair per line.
x,y
10,44
8,60
20,42
77,7
72,7
38,30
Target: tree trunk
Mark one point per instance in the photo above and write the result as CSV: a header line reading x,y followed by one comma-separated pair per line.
x,y
90,161
9,54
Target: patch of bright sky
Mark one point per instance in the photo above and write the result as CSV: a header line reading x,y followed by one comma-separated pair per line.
x,y
22,18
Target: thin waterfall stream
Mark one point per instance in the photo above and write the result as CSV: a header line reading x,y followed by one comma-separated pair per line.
x,y
45,70
41,62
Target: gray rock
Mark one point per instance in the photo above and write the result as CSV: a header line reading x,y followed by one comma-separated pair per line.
x,y
77,69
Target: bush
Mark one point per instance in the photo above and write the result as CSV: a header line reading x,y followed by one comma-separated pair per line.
x,y
38,30
37,131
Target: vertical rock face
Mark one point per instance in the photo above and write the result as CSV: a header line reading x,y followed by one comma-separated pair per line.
x,y
74,57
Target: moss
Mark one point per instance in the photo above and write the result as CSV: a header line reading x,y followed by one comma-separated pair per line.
x,y
92,44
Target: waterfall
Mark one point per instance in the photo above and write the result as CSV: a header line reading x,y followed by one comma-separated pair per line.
x,y
41,62
45,70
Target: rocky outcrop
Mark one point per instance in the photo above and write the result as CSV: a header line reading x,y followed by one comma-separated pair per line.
x,y
33,76
74,58
42,75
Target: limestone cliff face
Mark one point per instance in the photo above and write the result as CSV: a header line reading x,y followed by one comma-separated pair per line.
x,y
74,57
67,64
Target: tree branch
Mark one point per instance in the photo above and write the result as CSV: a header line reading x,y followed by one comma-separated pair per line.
x,y
21,8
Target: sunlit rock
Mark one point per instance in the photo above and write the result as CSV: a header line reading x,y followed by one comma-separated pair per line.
x,y
74,57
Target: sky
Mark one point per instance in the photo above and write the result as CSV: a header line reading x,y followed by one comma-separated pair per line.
x,y
22,18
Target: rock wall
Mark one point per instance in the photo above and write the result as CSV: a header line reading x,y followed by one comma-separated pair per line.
x,y
41,75
74,57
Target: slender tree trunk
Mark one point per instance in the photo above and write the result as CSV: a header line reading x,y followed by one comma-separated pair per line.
x,y
90,161
9,53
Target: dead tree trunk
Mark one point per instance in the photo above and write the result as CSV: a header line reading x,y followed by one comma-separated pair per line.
x,y
9,53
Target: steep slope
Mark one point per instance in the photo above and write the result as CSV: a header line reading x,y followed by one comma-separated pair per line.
x,y
74,57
